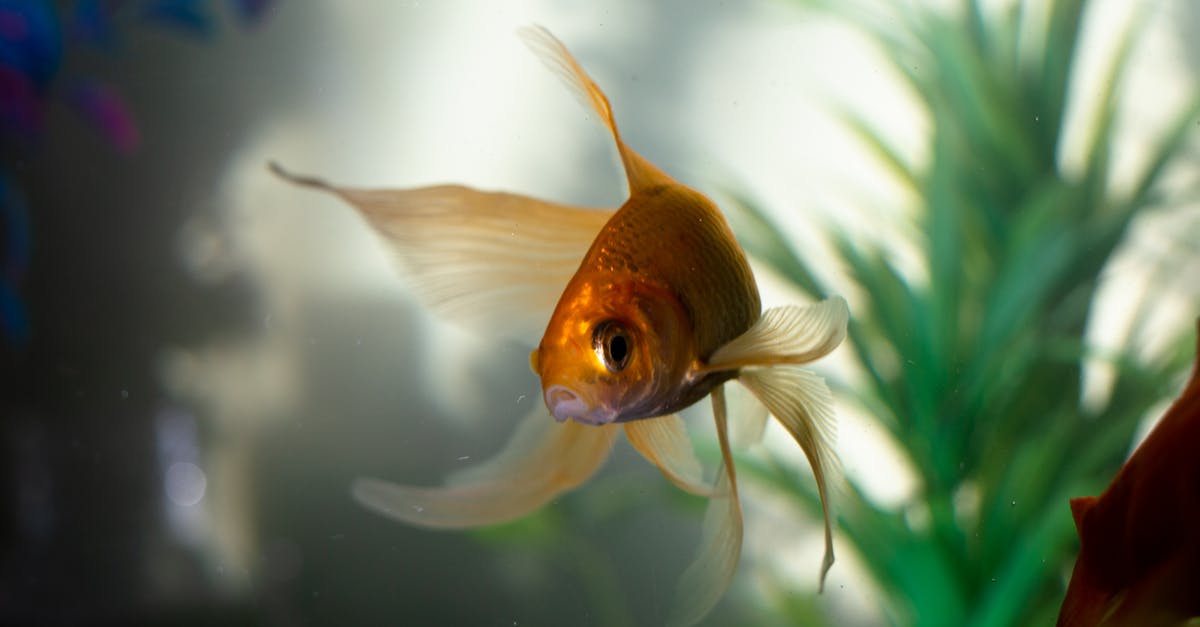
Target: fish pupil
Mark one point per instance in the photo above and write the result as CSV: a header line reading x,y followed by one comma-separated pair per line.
x,y
618,350
611,342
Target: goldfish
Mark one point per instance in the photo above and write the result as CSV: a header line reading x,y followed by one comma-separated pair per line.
x,y
1139,556
643,310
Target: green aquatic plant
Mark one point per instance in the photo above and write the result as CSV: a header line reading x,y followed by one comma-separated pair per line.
x,y
976,369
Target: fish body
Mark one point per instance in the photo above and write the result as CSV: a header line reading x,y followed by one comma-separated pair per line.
x,y
667,269
1139,557
643,311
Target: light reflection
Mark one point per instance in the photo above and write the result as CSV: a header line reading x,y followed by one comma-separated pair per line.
x,y
184,482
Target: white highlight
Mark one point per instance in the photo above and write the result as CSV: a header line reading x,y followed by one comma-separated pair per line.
x,y
185,483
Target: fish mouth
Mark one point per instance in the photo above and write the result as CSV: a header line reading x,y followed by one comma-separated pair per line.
x,y
567,404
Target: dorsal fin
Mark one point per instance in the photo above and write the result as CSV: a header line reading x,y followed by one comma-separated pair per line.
x,y
641,173
1079,508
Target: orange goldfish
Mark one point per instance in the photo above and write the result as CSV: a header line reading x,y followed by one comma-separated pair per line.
x,y
651,308
1139,556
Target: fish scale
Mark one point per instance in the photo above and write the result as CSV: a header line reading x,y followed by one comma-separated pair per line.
x,y
675,236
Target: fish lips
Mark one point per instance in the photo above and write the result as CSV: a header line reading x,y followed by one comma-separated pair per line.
x,y
567,404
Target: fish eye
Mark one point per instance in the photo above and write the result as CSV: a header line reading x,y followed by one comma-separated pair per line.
x,y
611,342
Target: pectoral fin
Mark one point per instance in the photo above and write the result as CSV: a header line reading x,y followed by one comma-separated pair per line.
x,y
641,173
801,401
491,260
542,460
664,441
708,576
750,418
786,335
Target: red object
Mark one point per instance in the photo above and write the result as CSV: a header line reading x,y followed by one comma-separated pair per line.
x,y
1139,560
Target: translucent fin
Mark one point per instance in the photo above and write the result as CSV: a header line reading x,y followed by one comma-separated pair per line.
x,y
801,401
494,261
542,460
665,442
786,335
749,418
708,576
641,173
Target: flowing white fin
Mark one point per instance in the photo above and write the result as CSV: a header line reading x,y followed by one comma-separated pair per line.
x,y
542,460
493,261
786,335
641,173
665,442
801,401
708,576
749,422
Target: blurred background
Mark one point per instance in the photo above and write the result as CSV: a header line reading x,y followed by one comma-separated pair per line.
x,y
198,359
